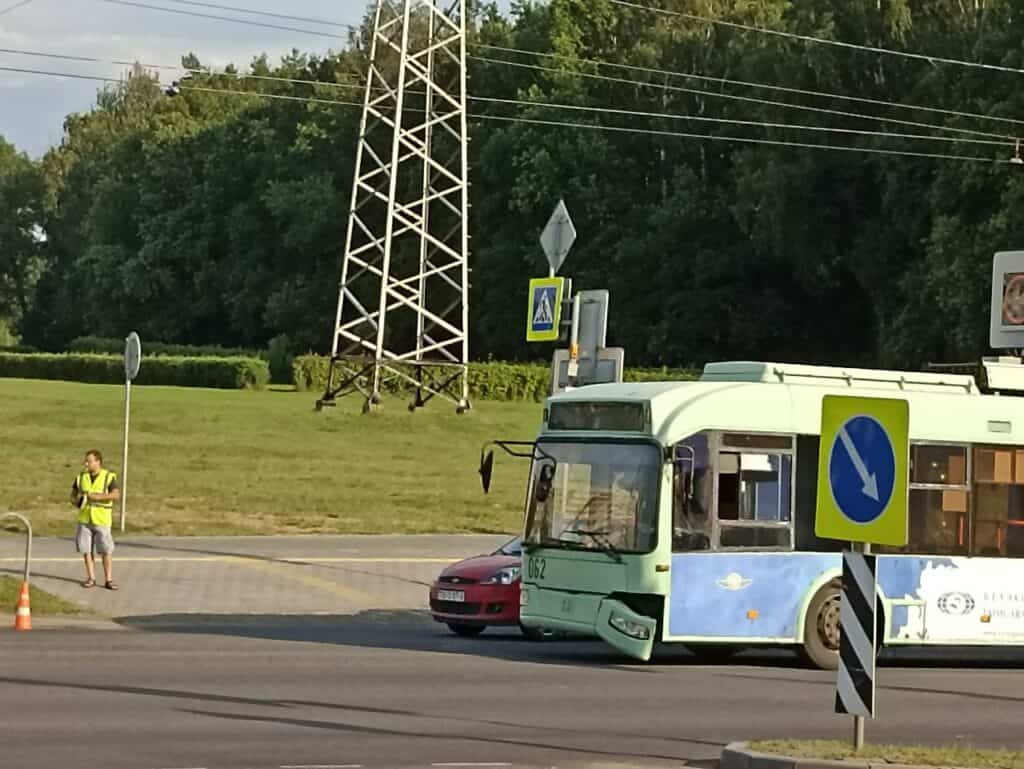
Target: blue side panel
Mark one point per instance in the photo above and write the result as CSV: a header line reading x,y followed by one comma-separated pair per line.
x,y
743,595
899,579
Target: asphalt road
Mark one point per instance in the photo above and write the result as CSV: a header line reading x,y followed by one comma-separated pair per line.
x,y
392,689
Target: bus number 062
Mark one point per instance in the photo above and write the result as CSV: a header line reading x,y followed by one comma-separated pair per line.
x,y
535,568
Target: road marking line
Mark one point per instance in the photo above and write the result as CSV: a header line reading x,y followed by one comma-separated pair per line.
x,y
470,764
297,560
321,766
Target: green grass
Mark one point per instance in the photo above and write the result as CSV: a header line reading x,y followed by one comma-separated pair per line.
x,y
42,603
955,755
207,462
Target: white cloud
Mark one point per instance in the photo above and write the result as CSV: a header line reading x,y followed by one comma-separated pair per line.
x,y
33,107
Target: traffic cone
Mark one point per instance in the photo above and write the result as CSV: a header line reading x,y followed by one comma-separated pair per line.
x,y
23,616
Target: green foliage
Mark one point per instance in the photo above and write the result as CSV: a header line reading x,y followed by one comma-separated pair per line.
x,y
219,373
280,357
102,345
492,381
213,218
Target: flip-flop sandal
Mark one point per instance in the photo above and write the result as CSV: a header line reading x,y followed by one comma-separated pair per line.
x,y
89,583
111,586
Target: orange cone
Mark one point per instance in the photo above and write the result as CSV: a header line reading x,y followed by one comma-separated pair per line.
x,y
23,616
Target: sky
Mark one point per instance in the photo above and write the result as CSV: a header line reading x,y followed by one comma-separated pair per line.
x,y
33,107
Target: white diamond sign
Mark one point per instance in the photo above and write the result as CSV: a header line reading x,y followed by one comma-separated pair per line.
x,y
558,236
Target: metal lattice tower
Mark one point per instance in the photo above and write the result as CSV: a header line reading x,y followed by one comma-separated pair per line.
x,y
403,308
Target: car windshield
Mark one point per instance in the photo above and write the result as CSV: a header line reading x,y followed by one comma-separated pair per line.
x,y
602,496
512,547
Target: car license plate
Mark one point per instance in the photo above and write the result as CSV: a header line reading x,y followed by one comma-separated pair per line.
x,y
451,595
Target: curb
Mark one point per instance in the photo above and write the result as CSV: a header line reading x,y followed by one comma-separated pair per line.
x,y
736,755
68,623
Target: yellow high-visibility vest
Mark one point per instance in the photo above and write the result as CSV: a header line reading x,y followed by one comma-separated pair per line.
x,y
97,513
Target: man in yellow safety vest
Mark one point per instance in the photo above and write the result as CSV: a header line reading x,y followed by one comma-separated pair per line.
x,y
94,492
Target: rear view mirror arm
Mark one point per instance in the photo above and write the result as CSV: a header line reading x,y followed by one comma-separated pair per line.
x,y
512,448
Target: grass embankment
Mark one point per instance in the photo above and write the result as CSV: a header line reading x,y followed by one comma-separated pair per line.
x,y
208,462
948,756
43,603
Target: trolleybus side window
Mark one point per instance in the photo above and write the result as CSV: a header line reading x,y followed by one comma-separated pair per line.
x,y
755,491
939,501
692,482
998,475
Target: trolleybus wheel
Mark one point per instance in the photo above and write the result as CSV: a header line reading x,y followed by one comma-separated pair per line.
x,y
821,629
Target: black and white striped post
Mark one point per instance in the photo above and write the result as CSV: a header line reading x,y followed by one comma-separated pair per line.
x,y
855,684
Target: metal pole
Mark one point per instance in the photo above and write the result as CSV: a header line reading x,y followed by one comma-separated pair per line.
x,y
28,540
124,448
858,721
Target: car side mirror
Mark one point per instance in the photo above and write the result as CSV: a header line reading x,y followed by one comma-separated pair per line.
x,y
486,470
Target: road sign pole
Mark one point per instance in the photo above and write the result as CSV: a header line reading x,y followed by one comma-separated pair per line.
x,y
858,721
132,363
124,447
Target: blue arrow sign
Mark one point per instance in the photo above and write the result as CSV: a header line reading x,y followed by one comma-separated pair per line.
x,y
862,469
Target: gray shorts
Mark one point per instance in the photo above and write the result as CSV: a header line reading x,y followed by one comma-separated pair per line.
x,y
94,539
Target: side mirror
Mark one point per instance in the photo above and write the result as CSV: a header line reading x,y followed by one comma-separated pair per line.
x,y
486,469
547,475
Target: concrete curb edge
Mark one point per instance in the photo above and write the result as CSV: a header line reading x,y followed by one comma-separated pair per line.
x,y
737,755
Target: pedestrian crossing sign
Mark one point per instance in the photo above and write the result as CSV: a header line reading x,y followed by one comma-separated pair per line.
x,y
545,309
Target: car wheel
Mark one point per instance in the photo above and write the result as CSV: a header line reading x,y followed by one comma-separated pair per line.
x,y
821,629
537,634
466,631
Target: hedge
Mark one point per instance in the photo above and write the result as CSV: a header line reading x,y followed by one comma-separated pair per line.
x,y
219,373
487,381
107,346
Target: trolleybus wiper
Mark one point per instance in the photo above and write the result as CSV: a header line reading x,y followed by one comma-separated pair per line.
x,y
600,540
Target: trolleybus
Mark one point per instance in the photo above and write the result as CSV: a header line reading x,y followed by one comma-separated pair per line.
x,y
683,512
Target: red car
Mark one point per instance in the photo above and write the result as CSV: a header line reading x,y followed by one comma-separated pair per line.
x,y
481,592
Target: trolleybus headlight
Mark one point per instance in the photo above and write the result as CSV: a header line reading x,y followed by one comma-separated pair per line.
x,y
503,577
632,629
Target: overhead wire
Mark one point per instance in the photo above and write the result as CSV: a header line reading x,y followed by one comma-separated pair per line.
x,y
1003,141
265,14
14,7
575,125
820,40
736,97
1006,142
748,84
746,140
178,68
787,105
197,14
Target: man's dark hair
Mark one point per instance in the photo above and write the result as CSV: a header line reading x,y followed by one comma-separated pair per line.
x,y
95,453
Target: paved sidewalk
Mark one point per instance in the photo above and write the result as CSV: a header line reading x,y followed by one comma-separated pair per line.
x,y
317,574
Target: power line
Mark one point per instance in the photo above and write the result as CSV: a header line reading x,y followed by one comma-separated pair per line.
x,y
14,7
568,124
174,68
728,121
257,94
281,96
249,22
734,97
751,84
286,17
27,71
603,110
810,39
746,140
